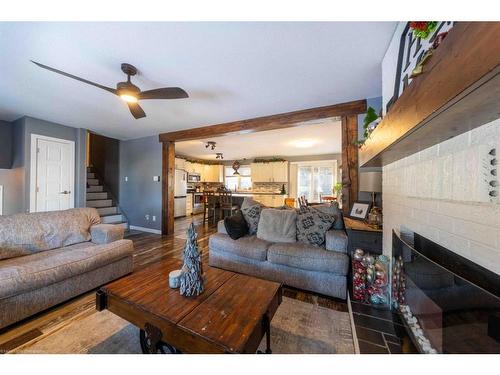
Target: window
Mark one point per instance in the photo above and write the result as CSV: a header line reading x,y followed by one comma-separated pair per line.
x,y
315,179
243,181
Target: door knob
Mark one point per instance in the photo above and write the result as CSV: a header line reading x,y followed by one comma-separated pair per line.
x,y
65,192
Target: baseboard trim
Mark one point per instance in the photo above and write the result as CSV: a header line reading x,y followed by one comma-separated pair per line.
x,y
148,230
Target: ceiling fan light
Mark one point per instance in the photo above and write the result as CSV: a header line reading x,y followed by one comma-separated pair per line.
x,y
128,98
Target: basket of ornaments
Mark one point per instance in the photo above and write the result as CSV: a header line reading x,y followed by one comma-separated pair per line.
x,y
370,278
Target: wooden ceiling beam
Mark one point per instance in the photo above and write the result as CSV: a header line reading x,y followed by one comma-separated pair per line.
x,y
279,121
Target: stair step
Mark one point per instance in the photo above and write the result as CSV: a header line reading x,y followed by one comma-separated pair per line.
x,y
112,219
107,211
90,175
92,181
97,195
95,189
124,224
100,203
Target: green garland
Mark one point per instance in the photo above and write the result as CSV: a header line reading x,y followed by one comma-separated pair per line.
x,y
371,116
200,161
272,160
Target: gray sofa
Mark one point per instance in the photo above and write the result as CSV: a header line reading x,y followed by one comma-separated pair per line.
x,y
300,265
47,258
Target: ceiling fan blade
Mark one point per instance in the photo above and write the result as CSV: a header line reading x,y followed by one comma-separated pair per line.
x,y
136,110
74,77
164,93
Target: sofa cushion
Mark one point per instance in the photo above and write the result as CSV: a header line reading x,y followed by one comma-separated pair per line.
x,y
248,247
277,225
308,257
22,274
336,240
312,225
25,234
235,225
221,227
252,217
106,233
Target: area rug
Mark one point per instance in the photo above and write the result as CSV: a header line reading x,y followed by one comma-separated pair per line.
x,y
297,327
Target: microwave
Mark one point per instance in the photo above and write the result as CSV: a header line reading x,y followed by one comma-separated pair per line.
x,y
194,177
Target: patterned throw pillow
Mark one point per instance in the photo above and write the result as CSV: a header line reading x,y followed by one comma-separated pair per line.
x,y
312,225
252,216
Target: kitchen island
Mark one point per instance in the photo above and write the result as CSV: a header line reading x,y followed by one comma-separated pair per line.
x,y
268,199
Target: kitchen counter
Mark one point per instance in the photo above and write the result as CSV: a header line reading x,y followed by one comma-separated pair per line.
x,y
245,193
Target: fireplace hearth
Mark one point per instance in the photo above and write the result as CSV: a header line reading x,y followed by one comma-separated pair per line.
x,y
447,303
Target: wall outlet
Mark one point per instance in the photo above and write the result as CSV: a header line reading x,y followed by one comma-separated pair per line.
x,y
126,178
147,217
154,218
156,178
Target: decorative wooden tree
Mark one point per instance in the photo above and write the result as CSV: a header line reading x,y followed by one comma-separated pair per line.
x,y
191,278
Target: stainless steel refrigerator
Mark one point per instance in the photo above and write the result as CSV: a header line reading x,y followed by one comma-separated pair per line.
x,y
180,191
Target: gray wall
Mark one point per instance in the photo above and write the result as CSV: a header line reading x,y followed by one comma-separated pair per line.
x,y
17,181
140,160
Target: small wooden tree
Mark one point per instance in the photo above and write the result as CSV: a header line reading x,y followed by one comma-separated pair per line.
x,y
191,277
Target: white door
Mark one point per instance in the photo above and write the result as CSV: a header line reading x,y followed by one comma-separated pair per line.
x,y
52,174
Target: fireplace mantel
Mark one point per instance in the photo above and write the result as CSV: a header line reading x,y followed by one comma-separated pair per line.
x,y
458,91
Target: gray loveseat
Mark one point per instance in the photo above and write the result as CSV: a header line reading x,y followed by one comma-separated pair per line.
x,y
301,265
47,258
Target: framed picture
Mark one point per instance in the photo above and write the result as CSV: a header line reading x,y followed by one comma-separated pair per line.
x,y
360,210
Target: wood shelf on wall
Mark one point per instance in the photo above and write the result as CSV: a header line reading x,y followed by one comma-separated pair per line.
x,y
458,91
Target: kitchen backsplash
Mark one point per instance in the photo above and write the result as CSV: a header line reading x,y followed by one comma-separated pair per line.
x,y
270,187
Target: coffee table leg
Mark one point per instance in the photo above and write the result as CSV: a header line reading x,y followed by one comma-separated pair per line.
x,y
266,322
267,328
150,339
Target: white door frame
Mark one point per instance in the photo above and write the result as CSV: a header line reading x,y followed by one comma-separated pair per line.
x,y
33,168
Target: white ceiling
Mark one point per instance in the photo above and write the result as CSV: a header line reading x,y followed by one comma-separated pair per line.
x,y
316,138
232,71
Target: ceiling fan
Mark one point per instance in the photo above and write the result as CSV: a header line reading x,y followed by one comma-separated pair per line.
x,y
129,92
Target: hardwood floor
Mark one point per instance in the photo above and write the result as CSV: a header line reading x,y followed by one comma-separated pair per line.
x,y
148,248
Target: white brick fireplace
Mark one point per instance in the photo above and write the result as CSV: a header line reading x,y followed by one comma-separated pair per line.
x,y
442,193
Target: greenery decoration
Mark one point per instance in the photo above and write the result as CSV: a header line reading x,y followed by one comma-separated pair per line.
x,y
422,29
200,161
371,115
338,189
271,160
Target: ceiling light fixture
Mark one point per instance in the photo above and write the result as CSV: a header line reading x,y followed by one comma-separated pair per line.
x,y
211,144
128,98
219,155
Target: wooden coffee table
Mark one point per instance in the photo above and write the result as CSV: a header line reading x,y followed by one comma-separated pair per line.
x,y
230,316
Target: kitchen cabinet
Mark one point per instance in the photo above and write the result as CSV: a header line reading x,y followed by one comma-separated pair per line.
x,y
189,167
211,173
180,163
271,200
270,172
280,171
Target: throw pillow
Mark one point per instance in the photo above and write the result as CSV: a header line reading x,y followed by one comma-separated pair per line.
x,y
277,225
312,225
252,216
249,202
235,225
334,210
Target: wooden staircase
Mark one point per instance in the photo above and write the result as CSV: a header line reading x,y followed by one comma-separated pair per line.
x,y
98,197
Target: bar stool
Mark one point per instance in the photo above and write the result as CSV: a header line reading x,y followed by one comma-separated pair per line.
x,y
209,204
226,203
